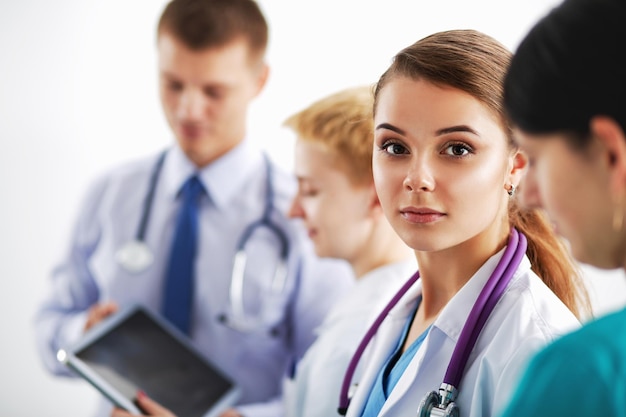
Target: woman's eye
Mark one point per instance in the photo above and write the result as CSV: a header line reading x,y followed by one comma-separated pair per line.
x,y
308,192
458,149
174,86
394,148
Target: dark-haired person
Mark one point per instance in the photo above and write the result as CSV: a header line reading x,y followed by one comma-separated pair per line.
x,y
215,183
564,93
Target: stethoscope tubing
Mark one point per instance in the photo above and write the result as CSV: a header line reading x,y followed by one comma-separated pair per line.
x,y
354,361
149,200
239,319
486,302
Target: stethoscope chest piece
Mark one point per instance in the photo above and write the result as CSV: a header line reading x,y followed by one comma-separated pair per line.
x,y
134,256
439,404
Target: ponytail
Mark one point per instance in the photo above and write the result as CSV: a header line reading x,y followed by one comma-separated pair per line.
x,y
551,259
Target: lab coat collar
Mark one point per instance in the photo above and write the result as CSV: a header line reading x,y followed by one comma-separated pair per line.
x,y
454,315
449,323
221,179
394,274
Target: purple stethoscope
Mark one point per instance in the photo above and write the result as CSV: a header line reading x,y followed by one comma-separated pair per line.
x,y
442,403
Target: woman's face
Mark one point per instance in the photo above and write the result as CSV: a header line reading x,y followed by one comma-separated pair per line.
x,y
573,188
337,213
441,164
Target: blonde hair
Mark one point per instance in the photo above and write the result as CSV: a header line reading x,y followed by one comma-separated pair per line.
x,y
342,122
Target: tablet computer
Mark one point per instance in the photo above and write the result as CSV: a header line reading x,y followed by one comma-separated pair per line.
x,y
136,349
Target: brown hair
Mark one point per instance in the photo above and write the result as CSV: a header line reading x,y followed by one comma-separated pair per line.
x,y
343,123
202,24
476,63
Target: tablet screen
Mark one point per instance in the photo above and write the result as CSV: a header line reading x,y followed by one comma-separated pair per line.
x,y
139,353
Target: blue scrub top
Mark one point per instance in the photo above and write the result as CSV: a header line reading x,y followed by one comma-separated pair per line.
x,y
395,366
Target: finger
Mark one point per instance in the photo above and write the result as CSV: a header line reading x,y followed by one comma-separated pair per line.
x,y
151,407
98,312
118,412
231,412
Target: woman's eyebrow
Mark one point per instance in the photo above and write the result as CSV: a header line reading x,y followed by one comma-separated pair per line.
x,y
390,127
459,128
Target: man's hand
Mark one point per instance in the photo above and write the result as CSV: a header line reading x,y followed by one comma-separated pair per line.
x,y
98,312
150,407
231,412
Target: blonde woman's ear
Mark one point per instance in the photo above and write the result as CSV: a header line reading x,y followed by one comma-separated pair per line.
x,y
374,204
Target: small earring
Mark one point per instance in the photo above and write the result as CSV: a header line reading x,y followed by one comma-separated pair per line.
x,y
511,190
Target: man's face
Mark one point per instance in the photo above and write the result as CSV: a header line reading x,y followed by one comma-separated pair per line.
x,y
205,95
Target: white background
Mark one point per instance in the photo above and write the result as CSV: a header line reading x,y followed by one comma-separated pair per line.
x,y
78,94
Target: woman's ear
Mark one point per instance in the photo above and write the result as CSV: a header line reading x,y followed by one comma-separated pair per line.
x,y
519,162
374,203
611,136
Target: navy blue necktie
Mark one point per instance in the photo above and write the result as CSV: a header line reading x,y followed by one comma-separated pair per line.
x,y
178,288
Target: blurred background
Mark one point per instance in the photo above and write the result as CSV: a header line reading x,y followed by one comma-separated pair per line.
x,y
78,94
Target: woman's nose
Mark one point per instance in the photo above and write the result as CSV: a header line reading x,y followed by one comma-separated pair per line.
x,y
419,177
296,211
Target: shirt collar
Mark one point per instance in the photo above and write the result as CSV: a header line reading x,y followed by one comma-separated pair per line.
x,y
454,315
221,179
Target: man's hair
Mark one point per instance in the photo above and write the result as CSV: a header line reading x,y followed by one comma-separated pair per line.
x,y
343,123
202,24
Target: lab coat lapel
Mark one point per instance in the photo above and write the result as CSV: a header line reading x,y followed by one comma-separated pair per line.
x,y
382,346
423,374
408,378
427,369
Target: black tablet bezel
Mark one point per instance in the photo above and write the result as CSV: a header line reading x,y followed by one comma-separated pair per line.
x,y
71,357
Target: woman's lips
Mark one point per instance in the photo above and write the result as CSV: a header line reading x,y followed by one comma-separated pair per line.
x,y
421,215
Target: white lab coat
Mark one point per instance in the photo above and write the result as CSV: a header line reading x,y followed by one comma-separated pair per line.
x,y
527,317
315,390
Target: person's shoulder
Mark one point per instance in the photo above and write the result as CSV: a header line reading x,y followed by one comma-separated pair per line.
x,y
596,351
130,168
124,172
118,178
604,335
532,305
532,291
577,373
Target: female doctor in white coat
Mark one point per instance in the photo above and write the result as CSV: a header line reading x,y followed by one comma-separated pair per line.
x,y
446,171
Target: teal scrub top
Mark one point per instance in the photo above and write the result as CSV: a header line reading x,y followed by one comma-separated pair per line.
x,y
580,374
